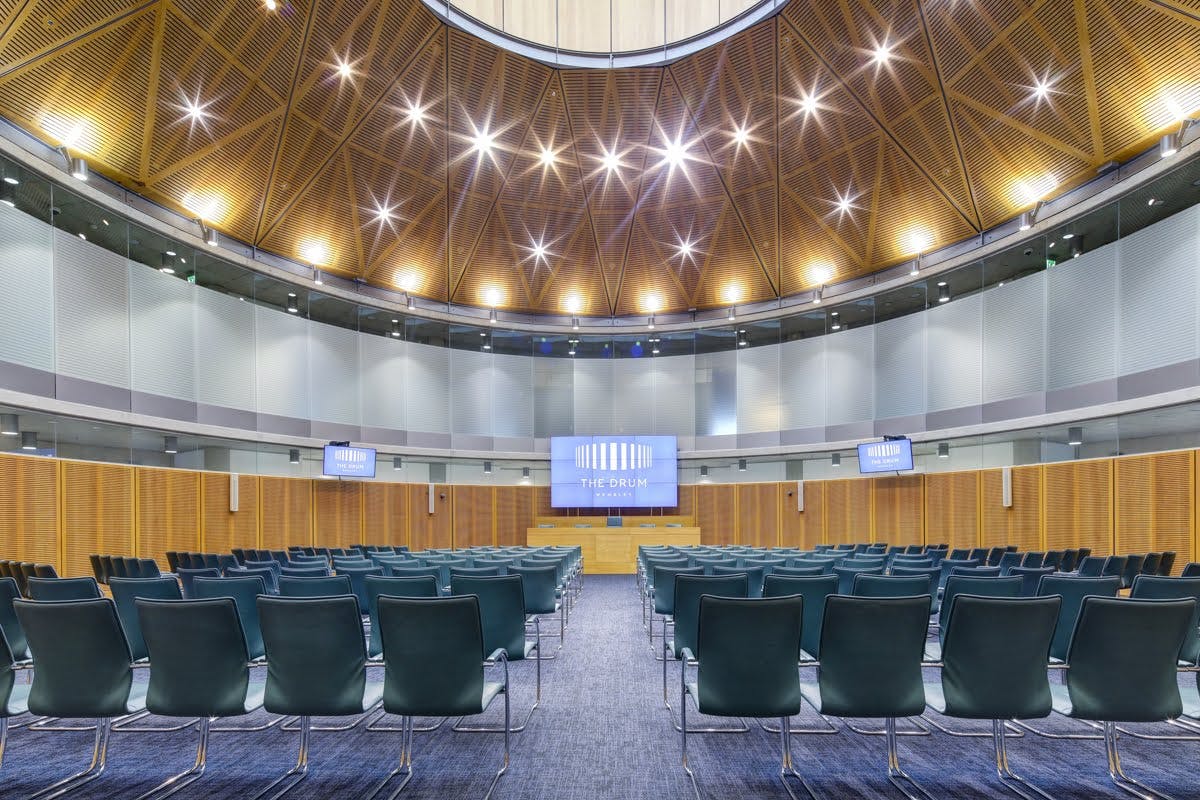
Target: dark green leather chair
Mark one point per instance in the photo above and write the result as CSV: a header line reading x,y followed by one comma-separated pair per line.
x,y
801,572
316,667
730,684
1030,577
200,669
824,564
753,574
994,667
417,572
245,592
688,591
541,596
302,571
866,585
931,574
1154,587
434,656
847,574
1091,566
871,652
1133,568
9,625
125,591
63,588
475,572
270,579
502,614
662,590
380,585
814,590
358,576
1072,589
314,586
187,576
14,699
84,670
1122,668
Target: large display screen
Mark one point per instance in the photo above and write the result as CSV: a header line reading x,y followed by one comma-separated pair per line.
x,y
613,472
349,462
890,456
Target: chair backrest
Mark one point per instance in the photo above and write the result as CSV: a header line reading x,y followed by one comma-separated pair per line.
x,y
390,586
1072,589
149,568
801,572
316,658
186,576
664,586
866,585
475,572
1115,565
1155,587
125,591
119,567
431,649
62,588
766,684
9,626
1090,566
994,555
994,657
314,571
83,663
1030,578
199,656
98,567
1008,561
1133,568
245,591
1033,559
416,572
501,611
270,580
846,576
865,561
967,584
538,585
912,561
1150,563
978,572
814,591
266,563
948,564
688,589
1140,685
1166,563
1191,569
871,651
358,576
314,586
1070,558
806,562
959,554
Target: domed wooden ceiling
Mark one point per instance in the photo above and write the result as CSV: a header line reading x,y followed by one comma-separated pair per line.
x,y
836,136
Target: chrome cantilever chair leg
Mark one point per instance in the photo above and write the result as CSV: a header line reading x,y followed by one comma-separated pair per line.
x,y
827,727
94,770
3,737
1119,778
927,719
537,699
405,766
291,779
787,768
374,727
683,730
176,782
897,776
683,665
1009,778
921,730
125,722
1047,735
1181,724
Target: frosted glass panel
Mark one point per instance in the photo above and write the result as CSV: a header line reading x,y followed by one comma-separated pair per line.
x,y
1081,307
92,312
802,385
953,354
633,396
674,396
716,394
281,367
26,291
471,392
225,354
333,373
162,357
850,376
383,368
1014,338
758,389
553,397
900,367
428,389
593,396
512,395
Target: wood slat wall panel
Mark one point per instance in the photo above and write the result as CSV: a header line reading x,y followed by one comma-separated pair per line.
x,y
802,528
758,514
385,513
1155,504
952,508
337,513
29,510
899,509
286,512
97,513
427,530
715,514
474,510
541,504
1078,505
1020,525
168,512
847,511
222,529
514,514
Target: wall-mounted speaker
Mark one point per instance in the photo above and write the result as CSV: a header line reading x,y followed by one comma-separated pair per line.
x,y
799,495
233,492
1006,487
432,498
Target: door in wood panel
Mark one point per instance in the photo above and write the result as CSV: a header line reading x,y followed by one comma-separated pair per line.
x,y
385,513
221,528
286,512
474,510
514,514
899,509
758,514
168,512
1078,507
337,513
802,528
427,530
97,513
848,511
1020,525
952,508
715,505
1155,504
29,510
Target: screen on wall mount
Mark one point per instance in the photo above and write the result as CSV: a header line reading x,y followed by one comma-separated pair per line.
x,y
613,472
348,462
893,455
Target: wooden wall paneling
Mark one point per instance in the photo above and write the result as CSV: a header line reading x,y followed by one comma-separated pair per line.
x,y
514,514
385,513
220,528
427,530
29,498
541,503
758,514
848,511
1077,505
899,506
802,528
286,509
716,513
97,513
337,513
474,509
687,501
1020,525
1155,499
952,508
167,512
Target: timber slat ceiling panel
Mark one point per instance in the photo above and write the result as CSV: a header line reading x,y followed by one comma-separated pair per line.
x,y
29,510
97,513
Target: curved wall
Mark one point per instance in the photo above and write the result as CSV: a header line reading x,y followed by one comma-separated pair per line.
x,y
81,324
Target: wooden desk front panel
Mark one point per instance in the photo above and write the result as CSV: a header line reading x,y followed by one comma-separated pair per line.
x,y
611,551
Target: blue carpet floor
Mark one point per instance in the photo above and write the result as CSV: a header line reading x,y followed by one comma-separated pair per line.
x,y
602,732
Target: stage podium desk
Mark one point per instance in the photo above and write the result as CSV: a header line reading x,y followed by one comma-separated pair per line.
x,y
611,551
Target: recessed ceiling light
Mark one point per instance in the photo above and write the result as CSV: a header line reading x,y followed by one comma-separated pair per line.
x,y
483,141
547,157
686,248
539,251
170,252
573,304
1041,89
11,180
882,53
611,160
344,69
415,113
674,154
808,104
1068,236
82,236
941,283
1153,201
383,213
741,135
492,297
270,4
194,110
